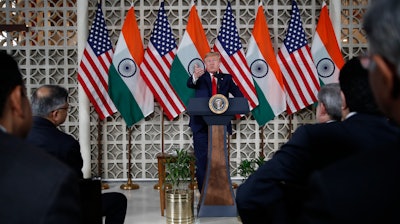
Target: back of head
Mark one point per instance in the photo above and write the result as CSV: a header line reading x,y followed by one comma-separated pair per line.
x,y
10,78
383,33
355,86
48,98
329,96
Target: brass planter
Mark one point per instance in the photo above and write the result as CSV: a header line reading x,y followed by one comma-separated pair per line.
x,y
179,206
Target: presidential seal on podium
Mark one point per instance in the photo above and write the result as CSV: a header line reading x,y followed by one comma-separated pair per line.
x,y
218,104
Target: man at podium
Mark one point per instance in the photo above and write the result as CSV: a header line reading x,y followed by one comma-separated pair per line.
x,y
208,82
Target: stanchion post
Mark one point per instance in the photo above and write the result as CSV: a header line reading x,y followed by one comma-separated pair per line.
x,y
129,185
99,147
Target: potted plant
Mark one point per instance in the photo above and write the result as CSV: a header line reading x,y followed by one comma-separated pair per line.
x,y
180,198
247,167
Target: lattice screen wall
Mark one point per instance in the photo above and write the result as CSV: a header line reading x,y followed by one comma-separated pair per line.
x,y
48,54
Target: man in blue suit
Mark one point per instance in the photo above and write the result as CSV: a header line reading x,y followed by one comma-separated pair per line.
x,y
274,193
201,81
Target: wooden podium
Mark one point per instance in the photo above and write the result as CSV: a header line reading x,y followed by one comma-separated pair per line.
x,y
217,197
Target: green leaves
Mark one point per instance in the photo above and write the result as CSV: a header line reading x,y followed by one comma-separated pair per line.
x,y
178,168
247,167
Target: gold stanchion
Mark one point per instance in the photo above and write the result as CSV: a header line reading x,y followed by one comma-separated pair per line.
x,y
99,147
262,142
290,126
157,186
104,186
234,185
129,185
166,186
193,185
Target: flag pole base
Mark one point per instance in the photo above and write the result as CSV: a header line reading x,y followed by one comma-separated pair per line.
x,y
129,186
104,186
234,185
157,186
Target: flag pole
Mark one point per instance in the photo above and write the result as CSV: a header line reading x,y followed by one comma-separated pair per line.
x,y
290,126
157,186
99,147
162,131
262,141
129,185
234,185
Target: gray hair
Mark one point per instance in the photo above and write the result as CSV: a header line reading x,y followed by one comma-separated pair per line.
x,y
382,25
43,104
329,95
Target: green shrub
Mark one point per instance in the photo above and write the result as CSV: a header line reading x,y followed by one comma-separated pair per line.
x,y
178,169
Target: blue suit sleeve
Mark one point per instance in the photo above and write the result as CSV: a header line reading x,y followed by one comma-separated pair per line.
x,y
263,192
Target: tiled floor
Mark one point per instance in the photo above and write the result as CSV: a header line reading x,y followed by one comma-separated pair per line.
x,y
144,206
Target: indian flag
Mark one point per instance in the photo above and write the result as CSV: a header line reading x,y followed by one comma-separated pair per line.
x,y
265,71
325,49
192,49
127,89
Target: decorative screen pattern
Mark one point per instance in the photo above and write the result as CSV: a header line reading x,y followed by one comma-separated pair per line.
x,y
48,54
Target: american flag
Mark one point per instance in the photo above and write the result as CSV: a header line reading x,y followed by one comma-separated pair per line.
x,y
156,65
233,58
93,68
296,63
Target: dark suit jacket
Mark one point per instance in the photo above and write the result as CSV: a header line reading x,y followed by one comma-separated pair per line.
x,y
268,194
203,89
66,148
34,187
63,146
363,188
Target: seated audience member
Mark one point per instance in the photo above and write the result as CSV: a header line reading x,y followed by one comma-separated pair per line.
x,y
364,188
329,106
50,109
274,193
35,187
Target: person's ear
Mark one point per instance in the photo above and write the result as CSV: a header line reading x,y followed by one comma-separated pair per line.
x,y
344,104
16,101
345,108
322,108
387,72
53,116
18,118
53,113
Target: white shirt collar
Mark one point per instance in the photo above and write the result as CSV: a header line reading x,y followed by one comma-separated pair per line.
x,y
2,128
350,114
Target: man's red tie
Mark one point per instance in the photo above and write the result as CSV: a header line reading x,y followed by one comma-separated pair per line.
x,y
214,85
